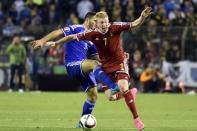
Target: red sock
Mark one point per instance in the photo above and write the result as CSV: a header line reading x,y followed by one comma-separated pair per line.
x,y
130,103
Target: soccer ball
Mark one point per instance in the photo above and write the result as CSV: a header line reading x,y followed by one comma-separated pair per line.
x,y
87,121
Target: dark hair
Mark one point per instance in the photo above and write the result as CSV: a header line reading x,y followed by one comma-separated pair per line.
x,y
89,15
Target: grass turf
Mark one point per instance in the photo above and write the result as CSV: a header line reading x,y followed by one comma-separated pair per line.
x,y
61,111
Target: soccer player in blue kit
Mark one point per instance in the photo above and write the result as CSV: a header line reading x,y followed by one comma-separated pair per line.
x,y
77,64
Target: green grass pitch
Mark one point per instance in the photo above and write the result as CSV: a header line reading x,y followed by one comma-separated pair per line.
x,y
60,112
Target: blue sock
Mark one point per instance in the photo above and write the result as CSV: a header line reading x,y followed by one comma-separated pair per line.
x,y
104,78
87,107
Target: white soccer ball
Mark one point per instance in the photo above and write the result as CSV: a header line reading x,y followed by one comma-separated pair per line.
x,y
88,121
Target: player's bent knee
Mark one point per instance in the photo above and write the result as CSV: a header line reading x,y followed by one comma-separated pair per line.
x,y
123,85
94,64
93,98
92,94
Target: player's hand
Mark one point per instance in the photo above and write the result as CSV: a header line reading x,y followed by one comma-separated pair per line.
x,y
74,37
37,44
51,43
146,12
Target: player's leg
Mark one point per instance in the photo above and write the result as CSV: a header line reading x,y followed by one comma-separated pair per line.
x,y
109,95
88,84
90,101
90,87
129,98
119,95
93,65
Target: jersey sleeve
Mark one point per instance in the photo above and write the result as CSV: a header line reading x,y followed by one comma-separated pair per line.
x,y
121,26
67,31
89,35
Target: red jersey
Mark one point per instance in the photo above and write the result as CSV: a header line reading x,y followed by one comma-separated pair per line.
x,y
108,45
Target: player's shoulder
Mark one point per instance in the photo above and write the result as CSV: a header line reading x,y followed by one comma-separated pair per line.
x,y
117,23
120,26
73,27
90,31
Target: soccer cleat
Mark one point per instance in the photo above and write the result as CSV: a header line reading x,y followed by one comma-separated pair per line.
x,y
115,90
78,125
138,123
134,93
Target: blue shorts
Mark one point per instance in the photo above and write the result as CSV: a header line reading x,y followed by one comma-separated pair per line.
x,y
74,70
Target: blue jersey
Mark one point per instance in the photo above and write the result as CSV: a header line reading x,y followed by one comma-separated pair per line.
x,y
77,50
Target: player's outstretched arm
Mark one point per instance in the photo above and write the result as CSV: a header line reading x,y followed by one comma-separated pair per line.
x,y
41,42
145,13
80,36
62,40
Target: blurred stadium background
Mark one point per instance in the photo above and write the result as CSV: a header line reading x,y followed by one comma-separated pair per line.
x,y
163,52
163,58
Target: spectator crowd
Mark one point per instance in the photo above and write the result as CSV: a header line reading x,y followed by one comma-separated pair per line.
x,y
164,36
19,16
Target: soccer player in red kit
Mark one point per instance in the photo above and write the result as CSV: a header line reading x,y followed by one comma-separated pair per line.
x,y
107,40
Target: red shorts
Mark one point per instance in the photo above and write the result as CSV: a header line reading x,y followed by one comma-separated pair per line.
x,y
121,72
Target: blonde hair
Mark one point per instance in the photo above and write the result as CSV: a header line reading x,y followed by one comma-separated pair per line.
x,y
101,14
